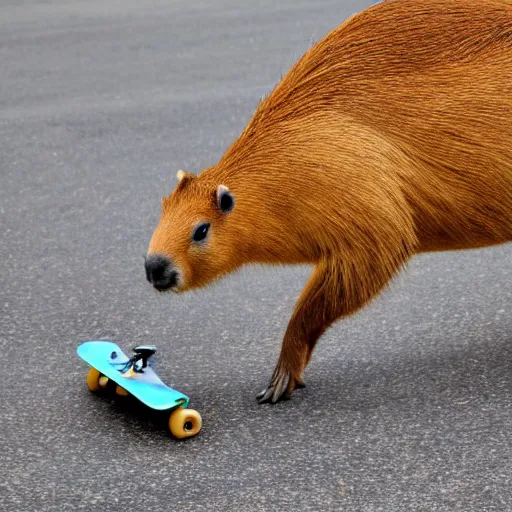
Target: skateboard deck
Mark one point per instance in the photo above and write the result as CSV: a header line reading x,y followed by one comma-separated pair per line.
x,y
109,360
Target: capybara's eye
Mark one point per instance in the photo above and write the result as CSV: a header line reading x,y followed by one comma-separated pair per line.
x,y
200,232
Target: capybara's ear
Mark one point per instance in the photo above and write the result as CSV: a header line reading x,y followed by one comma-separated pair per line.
x,y
181,175
225,199
184,178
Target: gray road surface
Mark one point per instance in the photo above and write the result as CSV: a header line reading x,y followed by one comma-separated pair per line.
x,y
408,405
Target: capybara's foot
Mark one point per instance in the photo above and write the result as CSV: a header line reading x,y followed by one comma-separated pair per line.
x,y
281,387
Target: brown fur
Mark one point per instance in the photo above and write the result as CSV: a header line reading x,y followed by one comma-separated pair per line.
x,y
390,137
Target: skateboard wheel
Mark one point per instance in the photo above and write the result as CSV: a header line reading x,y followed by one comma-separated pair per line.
x,y
93,380
121,391
103,381
185,422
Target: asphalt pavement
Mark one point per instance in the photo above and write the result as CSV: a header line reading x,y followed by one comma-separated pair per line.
x,y
408,405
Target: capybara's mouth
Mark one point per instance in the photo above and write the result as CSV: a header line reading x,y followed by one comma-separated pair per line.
x,y
173,287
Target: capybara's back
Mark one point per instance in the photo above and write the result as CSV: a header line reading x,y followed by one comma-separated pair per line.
x,y
391,136
433,79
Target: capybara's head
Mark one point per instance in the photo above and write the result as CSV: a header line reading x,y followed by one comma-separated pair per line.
x,y
193,243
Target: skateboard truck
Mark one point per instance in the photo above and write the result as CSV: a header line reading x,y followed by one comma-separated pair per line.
x,y
142,353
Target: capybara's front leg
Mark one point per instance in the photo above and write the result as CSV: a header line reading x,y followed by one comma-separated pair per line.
x,y
317,308
336,289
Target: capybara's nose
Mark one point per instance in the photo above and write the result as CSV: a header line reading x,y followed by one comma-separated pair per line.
x,y
160,272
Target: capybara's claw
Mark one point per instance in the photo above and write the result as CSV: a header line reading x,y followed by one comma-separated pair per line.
x,y
271,395
280,388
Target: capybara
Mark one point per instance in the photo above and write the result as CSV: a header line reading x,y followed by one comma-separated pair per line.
x,y
390,137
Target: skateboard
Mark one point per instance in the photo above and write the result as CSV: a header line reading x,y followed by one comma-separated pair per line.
x,y
110,367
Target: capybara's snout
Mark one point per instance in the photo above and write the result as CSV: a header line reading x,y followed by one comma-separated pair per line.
x,y
160,272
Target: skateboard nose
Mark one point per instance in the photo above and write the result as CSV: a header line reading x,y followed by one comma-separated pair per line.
x,y
160,272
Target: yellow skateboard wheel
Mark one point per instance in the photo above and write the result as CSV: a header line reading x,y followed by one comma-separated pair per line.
x,y
121,391
93,380
103,381
185,423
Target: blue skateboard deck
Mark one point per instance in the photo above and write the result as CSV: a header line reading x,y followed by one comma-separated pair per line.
x,y
109,360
